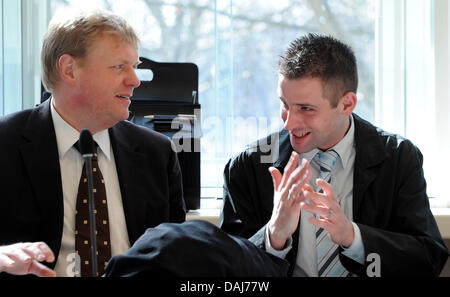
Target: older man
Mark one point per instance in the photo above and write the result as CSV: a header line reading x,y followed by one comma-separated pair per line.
x,y
88,64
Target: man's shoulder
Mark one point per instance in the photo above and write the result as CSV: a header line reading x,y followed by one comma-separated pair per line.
x,y
263,151
369,135
14,123
17,116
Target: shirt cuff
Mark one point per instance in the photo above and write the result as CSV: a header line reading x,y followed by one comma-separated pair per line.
x,y
356,250
278,253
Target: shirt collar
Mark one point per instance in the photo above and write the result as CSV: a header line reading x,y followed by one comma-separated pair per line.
x,y
309,155
343,147
66,135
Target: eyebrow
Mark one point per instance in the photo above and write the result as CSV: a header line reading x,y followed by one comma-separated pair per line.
x,y
128,63
299,104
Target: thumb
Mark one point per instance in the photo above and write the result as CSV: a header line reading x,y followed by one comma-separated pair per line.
x,y
276,178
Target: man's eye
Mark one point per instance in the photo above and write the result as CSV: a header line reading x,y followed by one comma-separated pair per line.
x,y
118,67
304,108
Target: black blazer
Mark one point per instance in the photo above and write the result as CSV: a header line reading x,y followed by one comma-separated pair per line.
x,y
31,195
390,204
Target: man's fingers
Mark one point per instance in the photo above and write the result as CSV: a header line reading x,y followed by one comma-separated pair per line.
x,y
326,187
290,167
321,223
5,262
46,252
24,258
317,198
34,252
20,255
41,270
300,175
298,190
295,191
307,188
321,211
38,251
276,178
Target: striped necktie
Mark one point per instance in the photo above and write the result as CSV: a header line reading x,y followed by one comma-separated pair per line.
x,y
328,263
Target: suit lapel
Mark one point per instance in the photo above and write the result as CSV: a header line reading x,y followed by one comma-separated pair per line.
x,y
40,155
369,153
131,174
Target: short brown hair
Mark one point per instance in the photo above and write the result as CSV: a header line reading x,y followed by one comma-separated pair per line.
x,y
324,57
74,35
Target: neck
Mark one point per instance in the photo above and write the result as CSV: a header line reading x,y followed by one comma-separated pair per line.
x,y
76,120
341,134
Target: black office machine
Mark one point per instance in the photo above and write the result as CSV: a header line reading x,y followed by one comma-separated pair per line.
x,y
167,102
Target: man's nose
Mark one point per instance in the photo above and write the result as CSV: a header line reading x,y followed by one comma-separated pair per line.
x,y
289,122
133,80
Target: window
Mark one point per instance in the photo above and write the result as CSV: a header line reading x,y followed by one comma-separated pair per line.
x,y
22,26
401,47
236,45
412,82
10,55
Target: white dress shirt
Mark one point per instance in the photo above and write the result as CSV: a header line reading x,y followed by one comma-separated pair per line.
x,y
342,181
71,164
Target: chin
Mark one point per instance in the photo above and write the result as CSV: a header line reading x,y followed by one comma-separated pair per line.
x,y
112,121
301,147
126,116
122,115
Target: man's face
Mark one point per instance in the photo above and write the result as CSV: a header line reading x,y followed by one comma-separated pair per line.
x,y
106,79
308,115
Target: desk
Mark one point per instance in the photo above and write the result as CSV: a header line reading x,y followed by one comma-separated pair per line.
x,y
210,215
442,216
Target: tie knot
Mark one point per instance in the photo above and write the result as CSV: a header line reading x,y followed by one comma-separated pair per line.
x,y
76,145
327,160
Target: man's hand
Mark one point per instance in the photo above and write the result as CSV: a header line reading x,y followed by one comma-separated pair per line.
x,y
24,258
287,198
331,216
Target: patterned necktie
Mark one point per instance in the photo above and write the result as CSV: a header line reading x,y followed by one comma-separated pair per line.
x,y
328,263
82,231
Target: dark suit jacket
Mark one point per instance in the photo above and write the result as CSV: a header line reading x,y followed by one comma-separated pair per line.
x,y
31,195
194,249
390,204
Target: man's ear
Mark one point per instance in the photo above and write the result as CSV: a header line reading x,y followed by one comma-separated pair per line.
x,y
348,103
66,64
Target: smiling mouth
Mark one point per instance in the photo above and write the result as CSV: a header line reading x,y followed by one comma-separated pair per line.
x,y
301,134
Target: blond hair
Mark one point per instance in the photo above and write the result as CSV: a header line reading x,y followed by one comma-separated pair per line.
x,y
73,36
